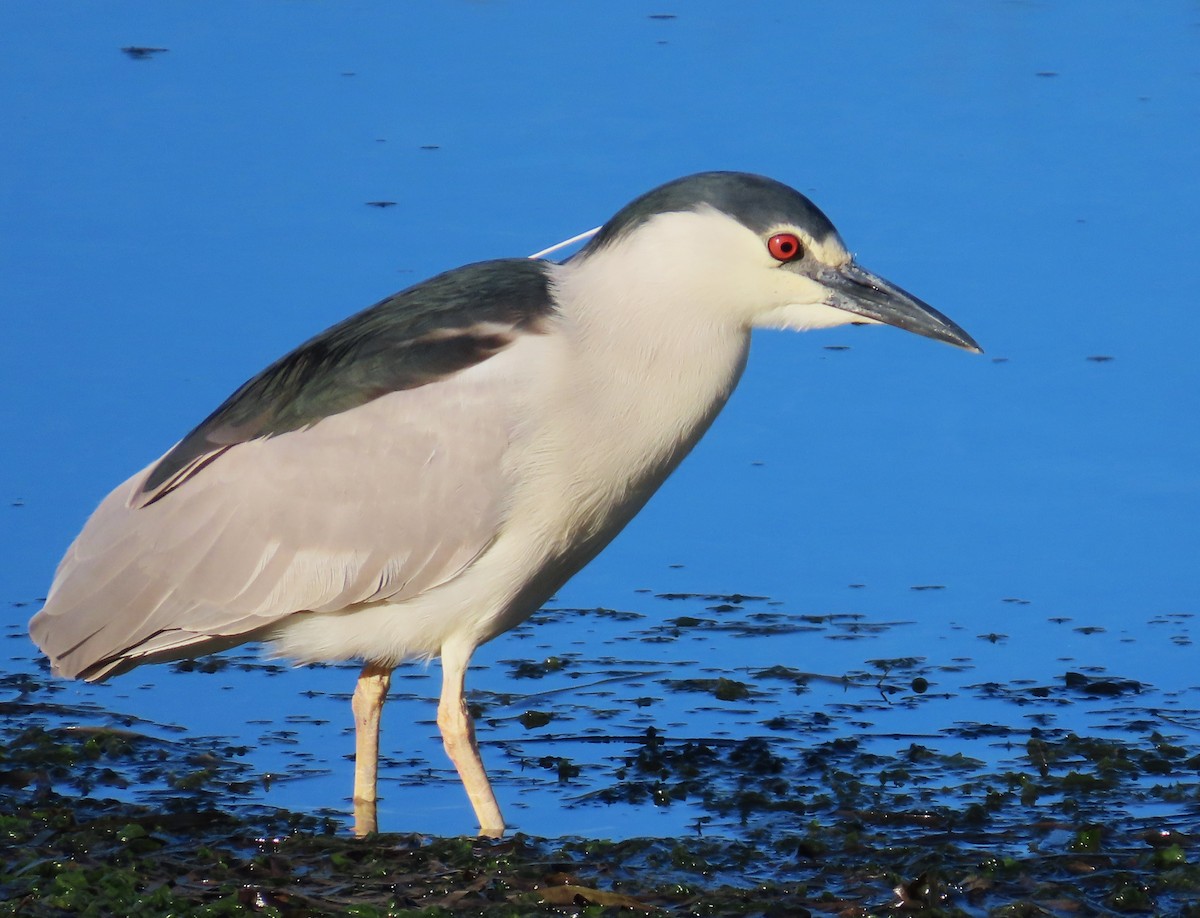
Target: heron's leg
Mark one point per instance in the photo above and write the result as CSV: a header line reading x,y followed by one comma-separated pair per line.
x,y
367,704
458,736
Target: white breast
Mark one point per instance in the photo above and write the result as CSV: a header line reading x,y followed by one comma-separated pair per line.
x,y
606,404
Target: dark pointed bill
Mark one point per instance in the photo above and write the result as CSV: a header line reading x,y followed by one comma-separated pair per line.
x,y
857,290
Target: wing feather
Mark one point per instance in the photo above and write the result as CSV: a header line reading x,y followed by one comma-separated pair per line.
x,y
382,501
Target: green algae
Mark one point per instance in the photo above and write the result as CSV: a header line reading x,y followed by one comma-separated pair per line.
x,y
796,792
841,829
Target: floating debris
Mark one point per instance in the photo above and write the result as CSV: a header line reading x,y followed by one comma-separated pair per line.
x,y
1081,683
143,53
531,720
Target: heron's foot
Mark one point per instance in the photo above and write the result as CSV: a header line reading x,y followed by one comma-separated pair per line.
x,y
496,831
366,820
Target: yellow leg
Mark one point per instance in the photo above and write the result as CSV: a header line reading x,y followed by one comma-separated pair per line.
x,y
458,736
367,704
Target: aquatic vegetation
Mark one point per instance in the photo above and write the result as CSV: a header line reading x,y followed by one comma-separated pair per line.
x,y
1075,824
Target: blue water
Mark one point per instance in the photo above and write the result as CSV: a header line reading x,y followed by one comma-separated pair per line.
x,y
169,225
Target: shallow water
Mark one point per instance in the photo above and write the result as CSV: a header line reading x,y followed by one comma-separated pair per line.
x,y
568,698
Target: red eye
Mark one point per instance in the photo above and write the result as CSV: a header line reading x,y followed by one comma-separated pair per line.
x,y
784,246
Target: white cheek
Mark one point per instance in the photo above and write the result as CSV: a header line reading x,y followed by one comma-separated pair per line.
x,y
807,316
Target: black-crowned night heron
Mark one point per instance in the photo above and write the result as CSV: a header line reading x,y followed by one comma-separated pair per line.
x,y
423,476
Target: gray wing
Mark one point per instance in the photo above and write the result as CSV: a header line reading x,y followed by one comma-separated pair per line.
x,y
272,507
418,336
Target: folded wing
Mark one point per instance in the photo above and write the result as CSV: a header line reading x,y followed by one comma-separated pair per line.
x,y
366,465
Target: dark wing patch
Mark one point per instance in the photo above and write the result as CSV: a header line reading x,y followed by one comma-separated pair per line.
x,y
756,201
417,336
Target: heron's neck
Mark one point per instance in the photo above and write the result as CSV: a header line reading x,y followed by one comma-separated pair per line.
x,y
646,378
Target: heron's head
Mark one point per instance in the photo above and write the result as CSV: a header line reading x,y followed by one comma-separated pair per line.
x,y
752,250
